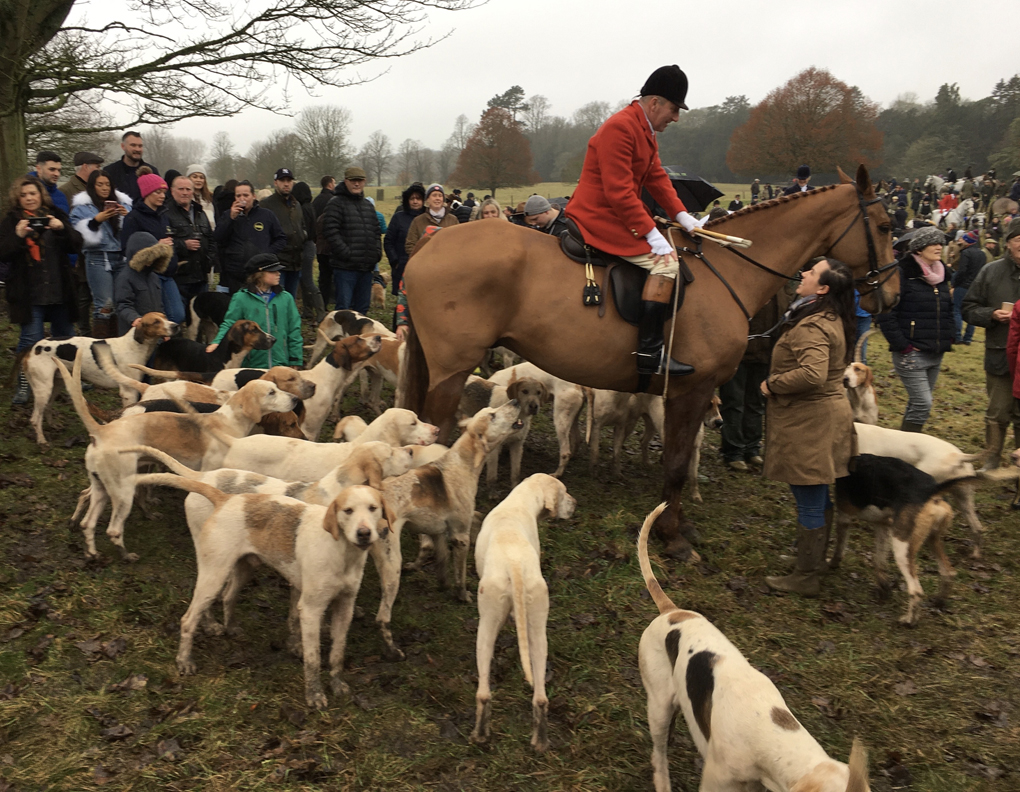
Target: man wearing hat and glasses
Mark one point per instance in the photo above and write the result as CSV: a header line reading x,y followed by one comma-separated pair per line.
x,y
351,228
623,158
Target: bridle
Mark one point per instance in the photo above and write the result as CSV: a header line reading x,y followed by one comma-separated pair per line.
x,y
873,278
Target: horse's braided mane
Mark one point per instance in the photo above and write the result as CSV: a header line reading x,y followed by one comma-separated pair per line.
x,y
770,203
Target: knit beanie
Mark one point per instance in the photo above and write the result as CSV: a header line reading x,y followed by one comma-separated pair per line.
x,y
140,240
194,169
970,238
926,236
149,183
434,188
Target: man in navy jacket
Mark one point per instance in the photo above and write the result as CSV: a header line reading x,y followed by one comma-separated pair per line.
x,y
243,231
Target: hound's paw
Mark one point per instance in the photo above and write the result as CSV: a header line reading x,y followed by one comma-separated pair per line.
x,y
186,666
295,647
477,738
316,699
697,498
393,654
131,558
541,746
908,620
464,596
340,688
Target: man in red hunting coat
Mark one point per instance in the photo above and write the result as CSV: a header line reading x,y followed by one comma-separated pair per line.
x,y
623,158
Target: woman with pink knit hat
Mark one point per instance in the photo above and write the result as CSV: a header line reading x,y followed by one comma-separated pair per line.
x,y
146,215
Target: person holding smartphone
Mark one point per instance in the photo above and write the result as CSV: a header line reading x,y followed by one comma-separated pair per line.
x,y
242,231
96,214
37,240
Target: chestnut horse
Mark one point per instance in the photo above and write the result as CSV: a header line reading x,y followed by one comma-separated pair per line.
x,y
490,284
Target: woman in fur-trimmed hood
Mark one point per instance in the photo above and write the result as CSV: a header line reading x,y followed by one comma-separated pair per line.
x,y
138,289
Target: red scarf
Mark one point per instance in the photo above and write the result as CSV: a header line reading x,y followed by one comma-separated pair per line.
x,y
33,246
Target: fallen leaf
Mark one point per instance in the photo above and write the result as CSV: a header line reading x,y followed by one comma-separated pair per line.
x,y
897,773
905,688
14,632
168,749
89,647
101,775
114,647
363,702
825,647
979,662
825,707
133,682
295,715
119,732
994,712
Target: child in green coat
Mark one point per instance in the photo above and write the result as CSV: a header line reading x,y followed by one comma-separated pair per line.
x,y
271,308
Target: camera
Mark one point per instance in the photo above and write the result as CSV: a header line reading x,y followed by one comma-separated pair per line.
x,y
38,224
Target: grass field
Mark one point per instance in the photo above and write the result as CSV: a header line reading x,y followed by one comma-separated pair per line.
x,y
89,694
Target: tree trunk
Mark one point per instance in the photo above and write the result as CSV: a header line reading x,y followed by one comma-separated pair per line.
x,y
13,153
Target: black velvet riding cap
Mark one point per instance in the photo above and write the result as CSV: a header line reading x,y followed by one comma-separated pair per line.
x,y
669,82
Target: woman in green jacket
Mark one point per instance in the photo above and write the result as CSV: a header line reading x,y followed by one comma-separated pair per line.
x,y
271,308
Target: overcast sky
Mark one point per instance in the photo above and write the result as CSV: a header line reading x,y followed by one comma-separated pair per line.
x,y
577,51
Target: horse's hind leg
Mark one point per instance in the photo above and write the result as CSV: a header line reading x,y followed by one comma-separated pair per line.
x,y
441,404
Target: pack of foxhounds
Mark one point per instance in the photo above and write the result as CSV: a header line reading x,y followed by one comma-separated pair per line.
x,y
242,443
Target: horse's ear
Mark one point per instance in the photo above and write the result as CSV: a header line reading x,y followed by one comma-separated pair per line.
x,y
864,182
843,178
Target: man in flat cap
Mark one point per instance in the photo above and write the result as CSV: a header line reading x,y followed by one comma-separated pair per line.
x,y
800,184
623,158
84,163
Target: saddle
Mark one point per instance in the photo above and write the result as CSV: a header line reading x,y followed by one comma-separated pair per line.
x,y
624,281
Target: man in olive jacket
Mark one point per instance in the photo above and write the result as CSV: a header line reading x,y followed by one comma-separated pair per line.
x,y
351,229
989,303
288,211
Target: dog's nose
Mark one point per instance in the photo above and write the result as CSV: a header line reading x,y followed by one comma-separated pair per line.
x,y
846,382
364,535
272,338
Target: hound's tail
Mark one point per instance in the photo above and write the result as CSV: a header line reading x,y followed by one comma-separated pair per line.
x,y
860,344
73,384
414,386
104,357
217,497
203,378
664,603
521,620
163,457
858,764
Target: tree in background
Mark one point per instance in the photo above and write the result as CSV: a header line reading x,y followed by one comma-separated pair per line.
x,y
700,140
512,99
813,118
282,149
1007,158
170,152
222,162
227,57
591,116
496,155
324,132
414,162
61,130
375,156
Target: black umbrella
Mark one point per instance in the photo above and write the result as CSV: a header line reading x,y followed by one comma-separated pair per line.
x,y
695,193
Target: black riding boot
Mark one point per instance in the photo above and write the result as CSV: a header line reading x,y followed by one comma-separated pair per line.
x,y
650,352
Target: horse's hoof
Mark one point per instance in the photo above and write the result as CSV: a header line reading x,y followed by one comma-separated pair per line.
x,y
679,549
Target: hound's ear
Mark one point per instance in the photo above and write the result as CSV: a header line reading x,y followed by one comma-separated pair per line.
x,y
543,393
843,178
553,493
373,473
864,182
869,377
512,388
481,447
391,518
340,357
329,520
139,334
250,406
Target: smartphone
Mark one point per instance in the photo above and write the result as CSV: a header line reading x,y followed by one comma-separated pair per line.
x,y
108,205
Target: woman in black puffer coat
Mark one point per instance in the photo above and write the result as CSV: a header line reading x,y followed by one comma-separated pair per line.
x,y
920,329
412,204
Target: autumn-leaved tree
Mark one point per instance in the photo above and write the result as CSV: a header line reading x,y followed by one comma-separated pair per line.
x,y
813,118
496,155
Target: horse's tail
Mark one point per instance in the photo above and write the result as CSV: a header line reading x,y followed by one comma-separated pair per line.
x,y
414,382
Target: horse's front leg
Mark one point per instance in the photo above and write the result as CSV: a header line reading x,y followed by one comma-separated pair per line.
x,y
684,414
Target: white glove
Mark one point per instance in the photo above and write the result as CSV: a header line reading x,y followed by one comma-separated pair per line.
x,y
687,221
660,247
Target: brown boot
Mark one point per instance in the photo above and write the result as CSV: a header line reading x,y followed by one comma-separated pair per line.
x,y
995,439
806,578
